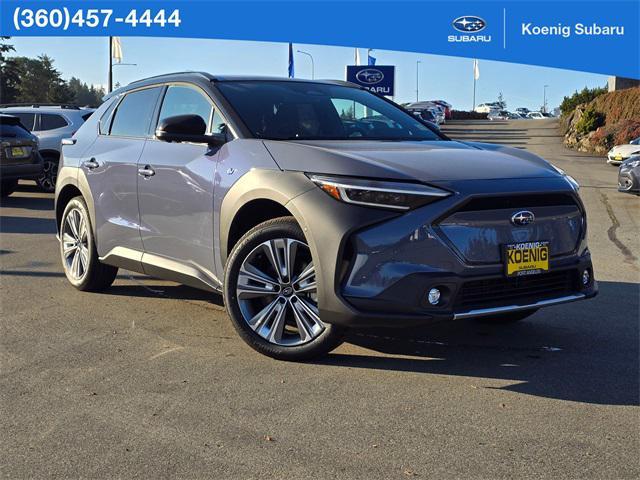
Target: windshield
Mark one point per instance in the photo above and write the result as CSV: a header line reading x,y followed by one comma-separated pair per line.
x,y
285,110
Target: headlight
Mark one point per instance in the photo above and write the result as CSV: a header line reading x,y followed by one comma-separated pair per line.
x,y
378,193
574,183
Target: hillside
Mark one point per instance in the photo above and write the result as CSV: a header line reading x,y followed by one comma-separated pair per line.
x,y
609,119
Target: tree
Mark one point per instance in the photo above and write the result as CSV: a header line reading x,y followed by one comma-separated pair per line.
x,y
83,94
40,82
9,74
501,102
585,95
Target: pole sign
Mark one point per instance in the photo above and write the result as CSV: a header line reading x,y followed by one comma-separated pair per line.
x,y
377,79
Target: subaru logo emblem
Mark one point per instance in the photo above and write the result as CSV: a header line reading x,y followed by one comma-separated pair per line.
x,y
525,217
370,76
469,23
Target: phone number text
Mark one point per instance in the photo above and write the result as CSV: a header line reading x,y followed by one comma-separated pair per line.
x,y
63,18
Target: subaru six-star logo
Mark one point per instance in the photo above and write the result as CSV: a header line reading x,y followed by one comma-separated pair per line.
x,y
469,23
525,217
370,76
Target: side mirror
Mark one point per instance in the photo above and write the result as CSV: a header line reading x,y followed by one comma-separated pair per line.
x,y
187,128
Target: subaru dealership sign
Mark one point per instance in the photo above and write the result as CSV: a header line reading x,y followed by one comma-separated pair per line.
x,y
378,79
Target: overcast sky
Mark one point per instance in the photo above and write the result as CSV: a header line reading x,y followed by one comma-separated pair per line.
x,y
440,77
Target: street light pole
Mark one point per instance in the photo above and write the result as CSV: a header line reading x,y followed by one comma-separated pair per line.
x,y
544,101
110,82
312,65
418,62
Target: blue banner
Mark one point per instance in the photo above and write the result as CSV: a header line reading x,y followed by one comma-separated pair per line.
x,y
591,36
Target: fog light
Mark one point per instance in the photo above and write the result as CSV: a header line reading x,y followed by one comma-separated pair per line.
x,y
434,296
586,278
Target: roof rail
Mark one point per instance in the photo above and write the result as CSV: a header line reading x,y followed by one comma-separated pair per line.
x,y
205,75
68,106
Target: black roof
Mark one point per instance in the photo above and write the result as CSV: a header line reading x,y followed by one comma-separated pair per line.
x,y
200,77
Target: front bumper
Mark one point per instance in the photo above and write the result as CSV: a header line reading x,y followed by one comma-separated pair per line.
x,y
375,267
628,181
615,159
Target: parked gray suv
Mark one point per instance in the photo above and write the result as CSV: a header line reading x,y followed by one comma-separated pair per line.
x,y
50,123
314,207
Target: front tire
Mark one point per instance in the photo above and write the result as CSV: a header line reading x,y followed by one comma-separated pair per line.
x,y
270,292
78,250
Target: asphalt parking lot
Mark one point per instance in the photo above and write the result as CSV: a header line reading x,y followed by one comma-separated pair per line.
x,y
149,380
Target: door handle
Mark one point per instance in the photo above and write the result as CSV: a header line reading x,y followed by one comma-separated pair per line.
x,y
147,171
91,164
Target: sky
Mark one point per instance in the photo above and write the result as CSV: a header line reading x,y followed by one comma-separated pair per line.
x,y
439,77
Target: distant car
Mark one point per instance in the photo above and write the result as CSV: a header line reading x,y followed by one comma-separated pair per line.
x,y
620,153
522,111
629,176
500,115
437,110
19,158
489,107
427,116
535,115
447,108
50,123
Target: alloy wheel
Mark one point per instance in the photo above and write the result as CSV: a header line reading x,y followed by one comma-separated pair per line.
x,y
47,179
75,244
277,293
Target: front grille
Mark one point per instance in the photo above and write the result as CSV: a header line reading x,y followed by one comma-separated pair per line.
x,y
504,291
479,229
517,201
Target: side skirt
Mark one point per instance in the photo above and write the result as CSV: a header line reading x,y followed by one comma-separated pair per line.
x,y
161,267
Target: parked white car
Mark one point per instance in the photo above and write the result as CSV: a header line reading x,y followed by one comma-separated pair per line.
x,y
620,153
536,115
488,107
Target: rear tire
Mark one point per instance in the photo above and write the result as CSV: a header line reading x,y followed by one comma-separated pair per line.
x,y
270,292
506,318
78,250
7,187
46,181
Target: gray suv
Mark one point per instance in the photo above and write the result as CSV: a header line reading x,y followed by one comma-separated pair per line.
x,y
50,123
314,206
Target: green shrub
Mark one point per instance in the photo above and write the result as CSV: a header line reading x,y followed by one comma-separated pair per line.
x,y
467,115
590,120
569,104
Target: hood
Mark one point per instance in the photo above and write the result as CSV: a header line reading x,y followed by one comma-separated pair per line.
x,y
423,161
626,149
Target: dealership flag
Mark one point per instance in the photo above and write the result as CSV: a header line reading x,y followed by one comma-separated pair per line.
x,y
370,60
116,49
476,70
291,69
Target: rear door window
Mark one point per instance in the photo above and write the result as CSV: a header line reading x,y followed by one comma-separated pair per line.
x,y
134,113
51,121
26,119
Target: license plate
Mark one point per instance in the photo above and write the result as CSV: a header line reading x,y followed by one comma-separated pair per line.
x,y
18,152
618,157
526,258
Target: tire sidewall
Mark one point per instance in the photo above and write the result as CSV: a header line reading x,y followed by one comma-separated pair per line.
x,y
285,227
